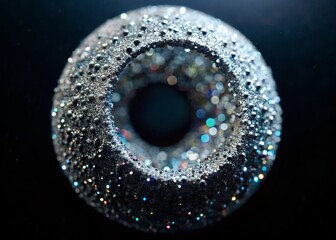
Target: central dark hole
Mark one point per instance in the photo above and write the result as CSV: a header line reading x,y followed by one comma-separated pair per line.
x,y
160,114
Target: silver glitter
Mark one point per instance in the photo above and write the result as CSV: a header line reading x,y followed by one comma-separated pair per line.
x,y
145,70
146,190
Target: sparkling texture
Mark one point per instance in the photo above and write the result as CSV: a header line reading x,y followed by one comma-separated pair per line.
x,y
146,193
194,74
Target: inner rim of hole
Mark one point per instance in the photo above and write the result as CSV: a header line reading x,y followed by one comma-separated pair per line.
x,y
189,71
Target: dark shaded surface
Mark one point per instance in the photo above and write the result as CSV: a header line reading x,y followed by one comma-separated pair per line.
x,y
296,38
160,114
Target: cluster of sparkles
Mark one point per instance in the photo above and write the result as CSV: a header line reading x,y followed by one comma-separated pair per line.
x,y
212,111
110,177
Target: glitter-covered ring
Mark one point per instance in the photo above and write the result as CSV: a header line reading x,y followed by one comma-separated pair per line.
x,y
110,177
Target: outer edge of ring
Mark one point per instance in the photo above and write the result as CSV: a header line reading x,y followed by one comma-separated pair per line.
x,y
82,110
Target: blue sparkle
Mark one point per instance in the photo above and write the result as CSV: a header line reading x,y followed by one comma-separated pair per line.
x,y
175,163
256,179
200,113
271,101
205,138
54,136
278,133
221,117
210,122
144,198
264,168
122,137
63,167
75,184
137,219
198,218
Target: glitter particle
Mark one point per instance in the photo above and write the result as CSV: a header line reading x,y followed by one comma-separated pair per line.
x,y
215,100
200,113
213,131
210,122
205,138
172,80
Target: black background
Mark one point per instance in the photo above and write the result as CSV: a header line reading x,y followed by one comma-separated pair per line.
x,y
297,39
